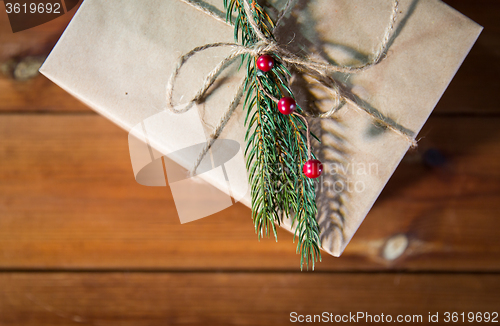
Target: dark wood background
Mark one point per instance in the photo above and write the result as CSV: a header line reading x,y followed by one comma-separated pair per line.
x,y
82,242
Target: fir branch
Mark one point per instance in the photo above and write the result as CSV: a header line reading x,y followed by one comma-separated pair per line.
x,y
276,145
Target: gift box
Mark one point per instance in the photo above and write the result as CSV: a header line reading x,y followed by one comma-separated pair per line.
x,y
117,57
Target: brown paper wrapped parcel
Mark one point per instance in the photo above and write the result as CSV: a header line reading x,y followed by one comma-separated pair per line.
x,y
117,55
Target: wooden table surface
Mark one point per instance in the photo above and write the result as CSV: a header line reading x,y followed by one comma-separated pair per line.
x,y
82,242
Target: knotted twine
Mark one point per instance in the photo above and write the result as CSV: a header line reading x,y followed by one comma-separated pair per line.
x,y
318,70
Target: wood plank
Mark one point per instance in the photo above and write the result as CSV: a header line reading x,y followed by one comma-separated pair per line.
x,y
37,94
234,298
68,200
38,40
470,92
473,88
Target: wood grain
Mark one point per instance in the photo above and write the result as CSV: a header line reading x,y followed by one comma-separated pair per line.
x,y
38,95
68,200
475,87
34,41
234,298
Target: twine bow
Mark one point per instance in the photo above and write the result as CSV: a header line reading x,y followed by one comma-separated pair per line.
x,y
319,70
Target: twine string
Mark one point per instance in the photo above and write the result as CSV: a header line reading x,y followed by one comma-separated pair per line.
x,y
252,22
286,8
219,127
318,70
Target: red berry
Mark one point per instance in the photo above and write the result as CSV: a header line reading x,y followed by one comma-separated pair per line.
x,y
313,169
287,105
265,62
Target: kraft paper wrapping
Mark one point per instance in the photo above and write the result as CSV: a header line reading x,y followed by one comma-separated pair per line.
x,y
116,56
